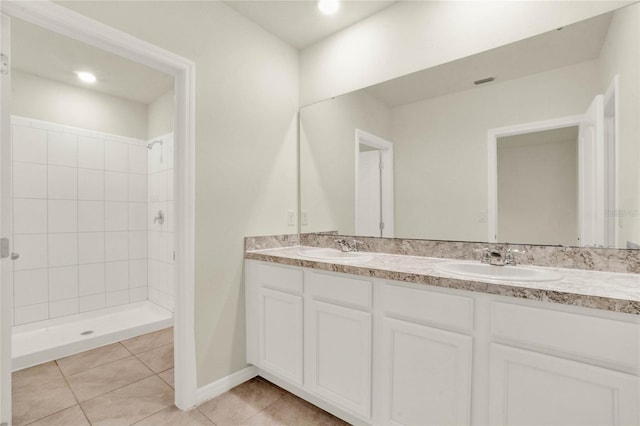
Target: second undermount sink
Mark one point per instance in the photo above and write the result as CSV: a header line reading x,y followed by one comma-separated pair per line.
x,y
332,254
500,273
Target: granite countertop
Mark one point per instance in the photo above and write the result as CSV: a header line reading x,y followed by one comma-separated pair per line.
x,y
610,291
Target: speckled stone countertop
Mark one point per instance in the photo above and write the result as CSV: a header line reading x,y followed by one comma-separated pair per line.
x,y
610,291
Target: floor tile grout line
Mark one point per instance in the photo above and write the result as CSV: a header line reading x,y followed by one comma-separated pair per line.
x,y
113,390
105,364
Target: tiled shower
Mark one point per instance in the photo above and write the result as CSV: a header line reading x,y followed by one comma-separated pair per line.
x,y
84,207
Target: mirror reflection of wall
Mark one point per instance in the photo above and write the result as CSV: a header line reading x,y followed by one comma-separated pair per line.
x,y
538,187
438,121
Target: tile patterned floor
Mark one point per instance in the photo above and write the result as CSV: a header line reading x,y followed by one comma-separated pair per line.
x,y
131,382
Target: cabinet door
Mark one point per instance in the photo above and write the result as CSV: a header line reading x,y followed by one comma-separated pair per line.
x,y
339,355
281,342
426,375
534,389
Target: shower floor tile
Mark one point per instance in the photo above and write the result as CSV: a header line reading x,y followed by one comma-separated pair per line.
x,y
131,382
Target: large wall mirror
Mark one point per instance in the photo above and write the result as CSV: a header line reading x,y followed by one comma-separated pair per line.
x,y
535,142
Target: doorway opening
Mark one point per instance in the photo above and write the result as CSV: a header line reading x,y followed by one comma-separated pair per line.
x,y
180,244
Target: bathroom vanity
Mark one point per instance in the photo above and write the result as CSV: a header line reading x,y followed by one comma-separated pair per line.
x,y
392,340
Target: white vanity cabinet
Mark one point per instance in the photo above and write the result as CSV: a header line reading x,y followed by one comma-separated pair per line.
x,y
426,367
276,309
338,337
373,351
554,367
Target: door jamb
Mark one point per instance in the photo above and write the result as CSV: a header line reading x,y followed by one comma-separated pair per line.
x,y
77,26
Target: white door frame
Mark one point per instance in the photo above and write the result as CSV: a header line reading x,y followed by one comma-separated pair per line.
x,y
492,151
612,136
74,25
6,268
387,200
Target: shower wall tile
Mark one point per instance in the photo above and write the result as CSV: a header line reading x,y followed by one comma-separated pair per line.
x,y
91,279
116,156
63,249
91,247
62,183
29,144
80,220
90,184
63,283
61,308
138,216
138,159
26,314
30,287
116,246
138,273
116,216
116,275
92,303
138,294
29,216
90,153
29,180
63,216
62,149
117,298
91,216
137,188
160,235
116,186
32,249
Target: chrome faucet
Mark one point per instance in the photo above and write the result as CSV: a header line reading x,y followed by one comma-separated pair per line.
x,y
495,258
347,246
492,257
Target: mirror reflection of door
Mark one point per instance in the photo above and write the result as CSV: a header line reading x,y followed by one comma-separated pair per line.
x,y
538,187
369,196
374,186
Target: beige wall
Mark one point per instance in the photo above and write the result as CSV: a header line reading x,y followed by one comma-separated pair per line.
x,y
327,157
413,35
160,118
246,103
623,37
43,99
538,190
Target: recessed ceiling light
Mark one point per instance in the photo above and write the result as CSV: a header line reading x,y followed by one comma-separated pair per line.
x,y
86,77
329,7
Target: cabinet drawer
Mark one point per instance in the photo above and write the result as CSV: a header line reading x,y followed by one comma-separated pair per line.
x,y
582,337
430,307
339,289
280,278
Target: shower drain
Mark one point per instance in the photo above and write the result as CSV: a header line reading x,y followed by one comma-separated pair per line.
x,y
84,333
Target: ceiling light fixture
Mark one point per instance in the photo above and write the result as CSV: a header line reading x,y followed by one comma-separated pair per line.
x,y
86,77
328,7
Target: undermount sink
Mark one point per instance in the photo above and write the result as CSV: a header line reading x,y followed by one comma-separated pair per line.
x,y
331,254
500,273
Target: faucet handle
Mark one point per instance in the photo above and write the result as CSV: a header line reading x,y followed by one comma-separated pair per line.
x,y
343,244
486,255
509,258
355,245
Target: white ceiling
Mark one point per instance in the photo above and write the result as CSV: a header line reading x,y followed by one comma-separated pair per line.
x,y
54,56
299,22
571,45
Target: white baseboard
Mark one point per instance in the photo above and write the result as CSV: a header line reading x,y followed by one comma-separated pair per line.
x,y
220,386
